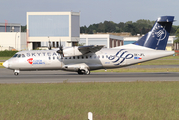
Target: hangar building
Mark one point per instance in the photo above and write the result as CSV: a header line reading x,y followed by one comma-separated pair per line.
x,y
101,39
52,26
11,37
10,27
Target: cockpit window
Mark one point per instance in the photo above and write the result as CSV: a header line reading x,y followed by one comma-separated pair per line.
x,y
19,56
15,55
23,55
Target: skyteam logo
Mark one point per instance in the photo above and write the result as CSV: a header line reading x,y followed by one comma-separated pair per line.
x,y
31,61
159,33
120,57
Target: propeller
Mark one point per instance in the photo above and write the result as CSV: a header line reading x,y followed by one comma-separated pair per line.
x,y
60,51
49,45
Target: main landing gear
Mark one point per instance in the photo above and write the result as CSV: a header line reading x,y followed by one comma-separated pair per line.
x,y
16,72
83,72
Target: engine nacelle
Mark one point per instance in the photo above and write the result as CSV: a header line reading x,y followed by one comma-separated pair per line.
x,y
72,51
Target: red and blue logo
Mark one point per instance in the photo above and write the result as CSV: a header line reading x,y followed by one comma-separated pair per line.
x,y
32,61
137,58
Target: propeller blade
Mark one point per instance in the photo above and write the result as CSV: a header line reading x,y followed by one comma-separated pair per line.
x,y
50,47
60,51
61,46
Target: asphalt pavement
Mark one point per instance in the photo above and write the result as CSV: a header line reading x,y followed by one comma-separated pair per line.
x,y
7,76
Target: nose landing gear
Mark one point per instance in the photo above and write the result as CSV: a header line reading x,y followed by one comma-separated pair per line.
x,y
16,72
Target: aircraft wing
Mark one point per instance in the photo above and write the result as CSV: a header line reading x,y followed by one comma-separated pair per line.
x,y
90,48
81,50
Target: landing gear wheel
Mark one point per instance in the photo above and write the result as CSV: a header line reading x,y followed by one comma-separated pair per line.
x,y
16,73
80,72
87,72
83,72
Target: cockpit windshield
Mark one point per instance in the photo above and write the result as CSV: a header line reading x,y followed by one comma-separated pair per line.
x,y
15,55
19,56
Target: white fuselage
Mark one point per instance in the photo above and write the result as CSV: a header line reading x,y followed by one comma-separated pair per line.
x,y
82,59
103,59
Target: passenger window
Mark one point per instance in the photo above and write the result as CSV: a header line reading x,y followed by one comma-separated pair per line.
x,y
106,56
95,57
49,58
53,58
86,57
82,57
103,56
23,55
73,57
65,57
69,57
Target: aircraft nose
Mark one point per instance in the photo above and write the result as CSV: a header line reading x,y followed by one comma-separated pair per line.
x,y
5,64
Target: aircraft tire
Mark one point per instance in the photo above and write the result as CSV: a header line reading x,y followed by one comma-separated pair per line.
x,y
80,72
83,72
87,72
16,73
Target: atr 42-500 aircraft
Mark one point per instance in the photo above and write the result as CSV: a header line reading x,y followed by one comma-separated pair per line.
x,y
83,59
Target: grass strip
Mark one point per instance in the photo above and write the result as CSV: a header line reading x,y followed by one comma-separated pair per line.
x,y
4,58
118,100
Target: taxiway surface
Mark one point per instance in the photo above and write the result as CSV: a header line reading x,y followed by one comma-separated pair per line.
x,y
7,76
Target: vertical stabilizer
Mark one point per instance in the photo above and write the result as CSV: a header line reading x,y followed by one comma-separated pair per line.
x,y
158,36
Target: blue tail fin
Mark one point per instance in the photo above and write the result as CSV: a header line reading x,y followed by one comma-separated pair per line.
x,y
158,36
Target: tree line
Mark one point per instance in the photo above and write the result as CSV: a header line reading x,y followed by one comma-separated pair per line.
x,y
139,27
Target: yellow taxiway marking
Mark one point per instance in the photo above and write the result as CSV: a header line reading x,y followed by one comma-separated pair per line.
x,y
1,63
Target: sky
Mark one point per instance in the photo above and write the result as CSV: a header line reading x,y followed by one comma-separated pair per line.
x,y
91,11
